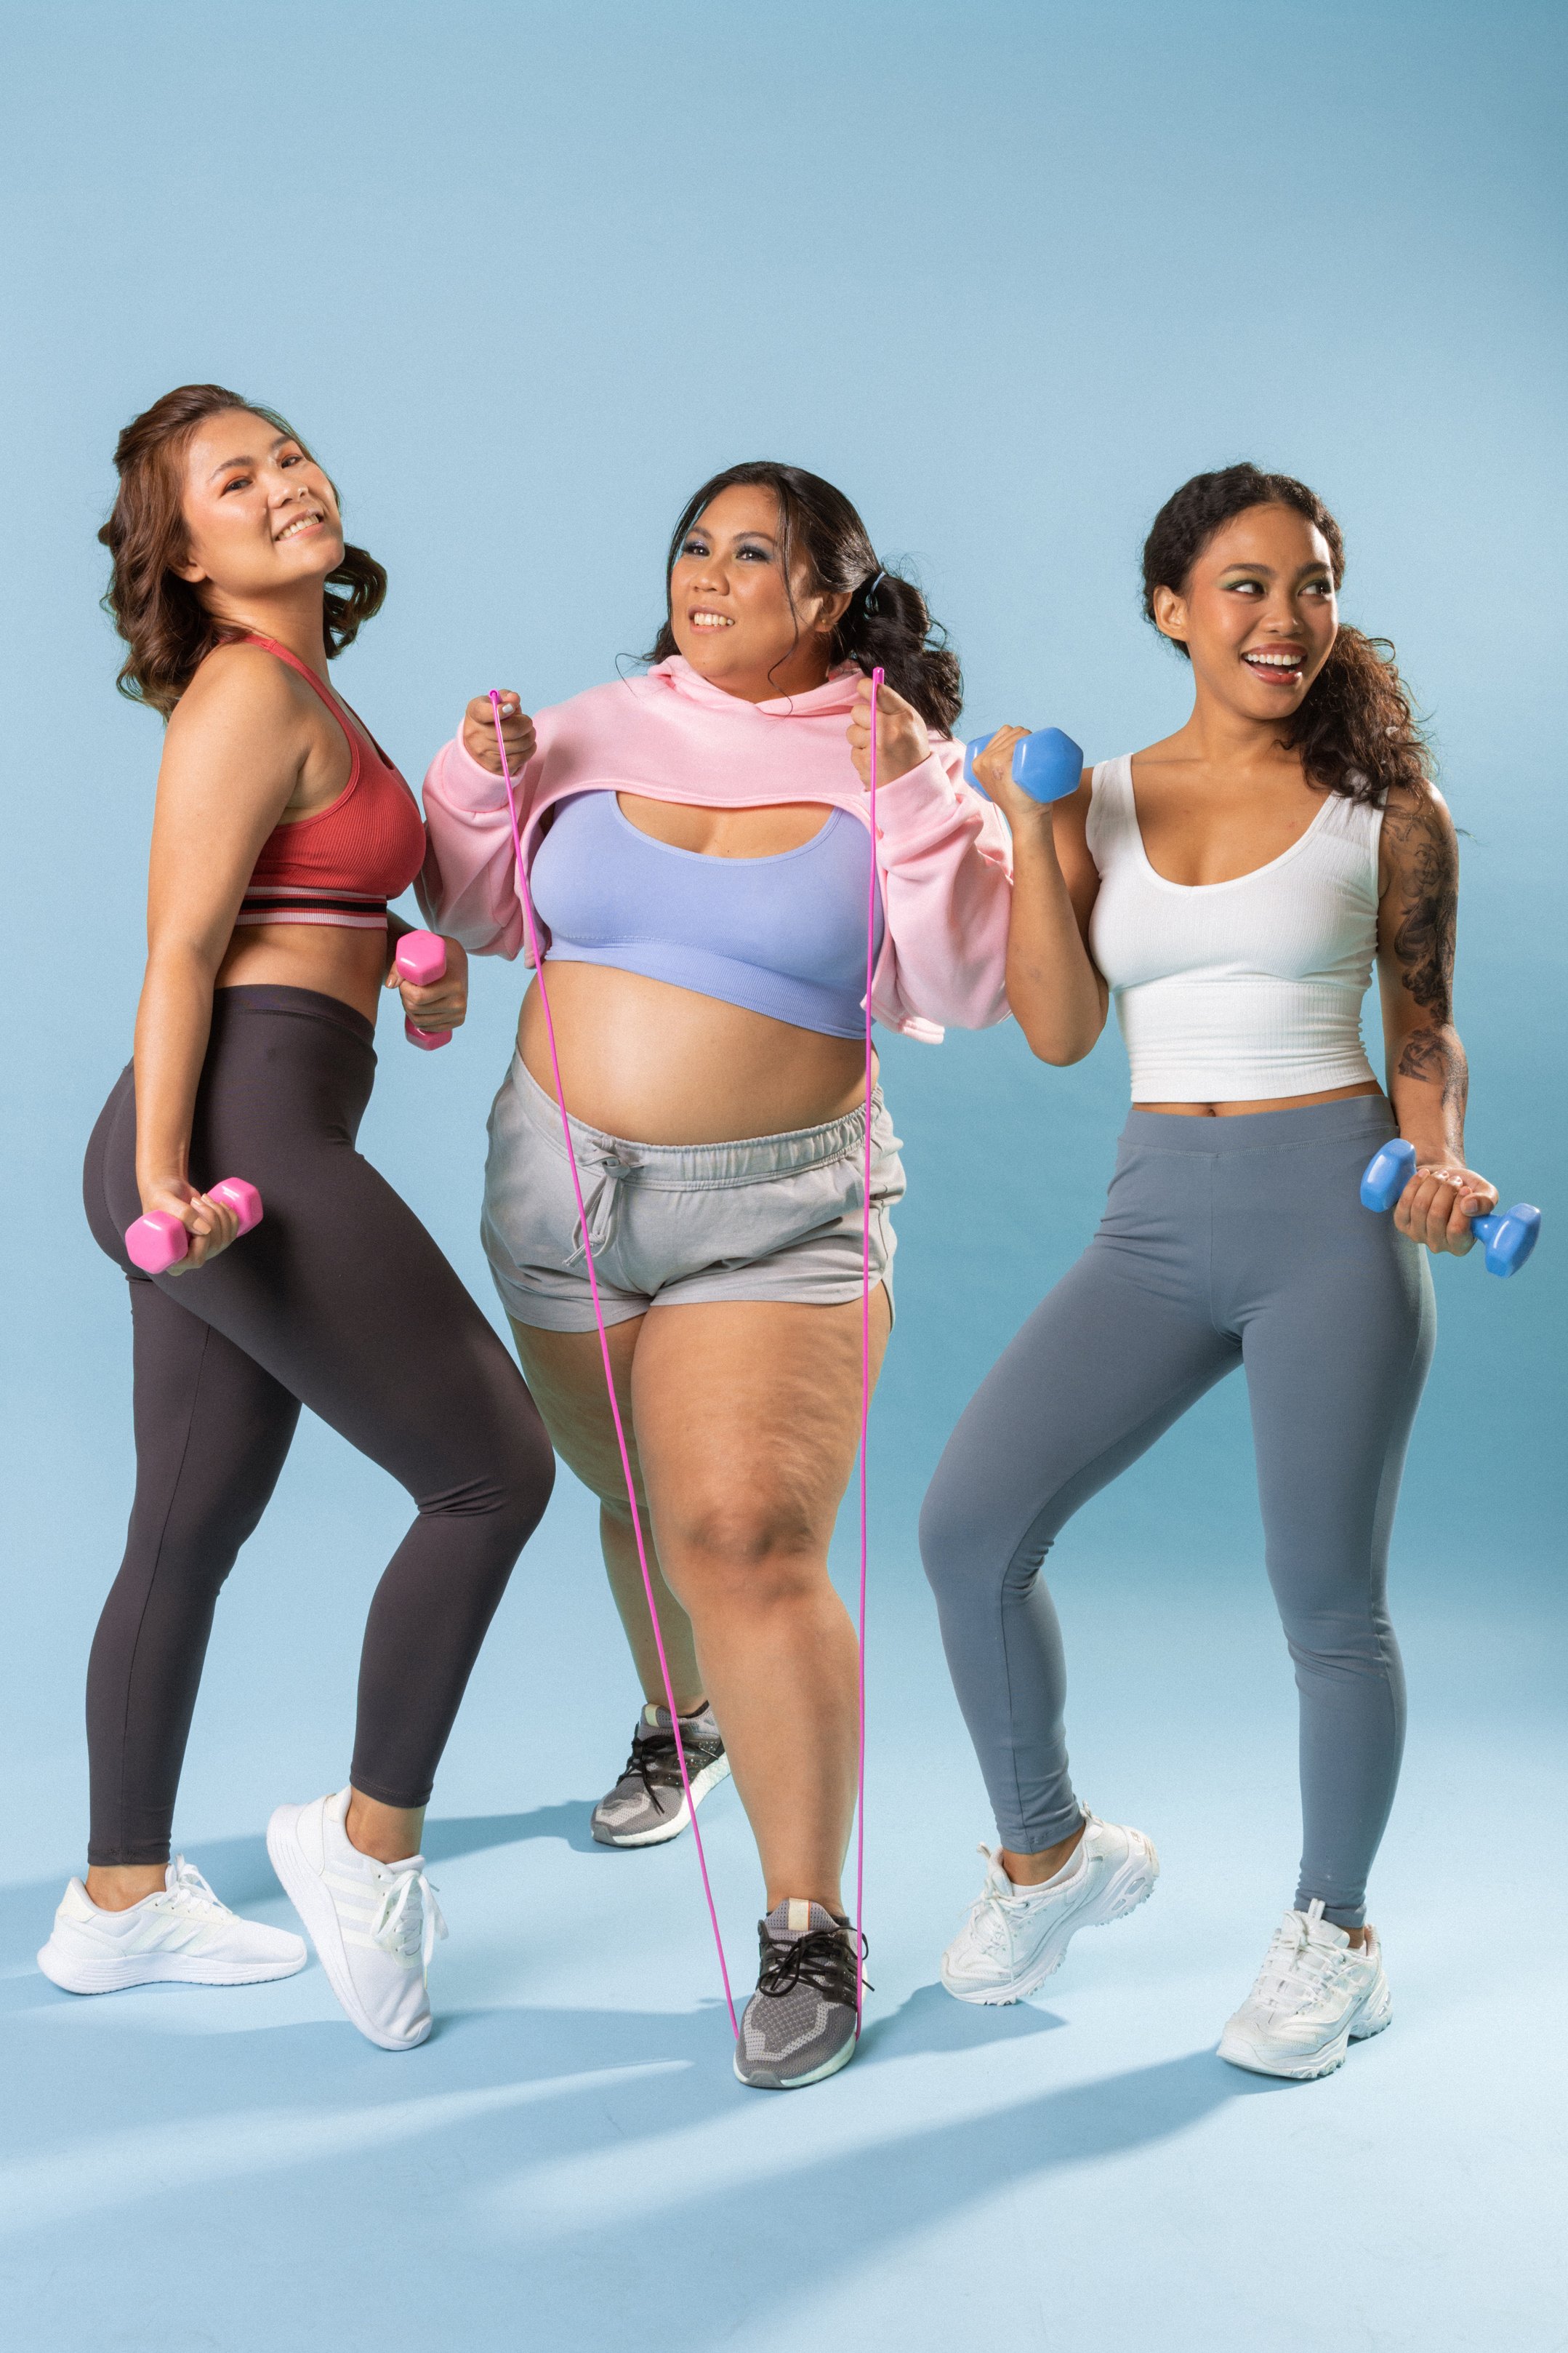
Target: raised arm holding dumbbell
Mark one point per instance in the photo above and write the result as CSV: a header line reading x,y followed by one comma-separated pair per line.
x,y
1057,997
1232,886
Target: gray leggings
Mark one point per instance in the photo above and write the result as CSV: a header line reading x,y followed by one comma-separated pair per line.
x,y
1224,1242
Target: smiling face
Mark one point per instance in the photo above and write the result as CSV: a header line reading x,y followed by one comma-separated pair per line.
x,y
261,518
730,607
1257,612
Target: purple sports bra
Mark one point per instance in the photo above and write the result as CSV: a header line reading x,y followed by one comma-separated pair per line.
x,y
783,935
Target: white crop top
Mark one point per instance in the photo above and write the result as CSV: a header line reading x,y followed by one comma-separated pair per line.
x,y
1234,992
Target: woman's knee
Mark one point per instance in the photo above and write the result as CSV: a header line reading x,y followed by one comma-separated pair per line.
x,y
530,1474
946,1533
1332,1607
610,1489
513,1466
964,1548
758,1549
1335,1636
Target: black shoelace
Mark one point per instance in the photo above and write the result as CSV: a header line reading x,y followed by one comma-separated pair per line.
x,y
654,1761
824,1957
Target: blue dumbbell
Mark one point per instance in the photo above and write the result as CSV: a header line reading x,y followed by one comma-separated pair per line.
x,y
1510,1235
1047,766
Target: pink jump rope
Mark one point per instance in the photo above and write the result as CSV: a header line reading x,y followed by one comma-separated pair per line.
x,y
158,1241
538,961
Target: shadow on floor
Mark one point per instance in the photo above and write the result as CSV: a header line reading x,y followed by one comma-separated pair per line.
x,y
930,2020
577,2093
193,2119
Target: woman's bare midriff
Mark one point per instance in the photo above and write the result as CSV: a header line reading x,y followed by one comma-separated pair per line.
x,y
348,965
1273,1103
657,1064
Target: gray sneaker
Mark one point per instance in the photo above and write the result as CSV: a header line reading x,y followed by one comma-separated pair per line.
x,y
800,2024
647,1804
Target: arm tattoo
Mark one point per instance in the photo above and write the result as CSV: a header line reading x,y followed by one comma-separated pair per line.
x,y
1436,1056
1427,880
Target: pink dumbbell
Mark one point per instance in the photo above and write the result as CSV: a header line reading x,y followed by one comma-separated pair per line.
x,y
158,1241
422,957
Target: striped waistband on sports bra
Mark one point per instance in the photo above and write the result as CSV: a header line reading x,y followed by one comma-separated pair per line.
x,y
292,903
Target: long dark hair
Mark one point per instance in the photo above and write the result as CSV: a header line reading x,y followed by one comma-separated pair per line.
x,y
160,618
886,624
1355,730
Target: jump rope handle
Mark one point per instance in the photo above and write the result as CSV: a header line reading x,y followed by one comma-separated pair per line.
x,y
421,958
1508,1235
1047,765
158,1241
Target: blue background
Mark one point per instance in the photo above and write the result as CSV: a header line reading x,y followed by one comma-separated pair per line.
x,y
1008,273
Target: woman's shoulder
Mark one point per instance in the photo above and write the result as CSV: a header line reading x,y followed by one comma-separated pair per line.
x,y
1417,834
1403,805
1106,786
240,683
1102,806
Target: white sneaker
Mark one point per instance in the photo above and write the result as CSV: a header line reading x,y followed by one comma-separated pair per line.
x,y
1314,1997
375,1925
1015,1938
181,1936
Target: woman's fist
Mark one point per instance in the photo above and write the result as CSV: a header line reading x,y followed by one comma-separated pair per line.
x,y
211,1225
479,734
441,1004
901,739
993,773
1437,1206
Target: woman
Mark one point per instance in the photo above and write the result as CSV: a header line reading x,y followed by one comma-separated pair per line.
x,y
280,832
699,854
1232,887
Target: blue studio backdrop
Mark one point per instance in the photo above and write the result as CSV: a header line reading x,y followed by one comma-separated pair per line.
x,y
1008,273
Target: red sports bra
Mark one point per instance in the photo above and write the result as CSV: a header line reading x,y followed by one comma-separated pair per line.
x,y
341,864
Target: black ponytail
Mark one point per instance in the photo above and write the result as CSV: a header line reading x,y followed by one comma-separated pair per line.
x,y
887,627
885,624
1355,730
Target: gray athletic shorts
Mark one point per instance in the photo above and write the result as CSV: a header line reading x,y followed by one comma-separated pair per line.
x,y
772,1216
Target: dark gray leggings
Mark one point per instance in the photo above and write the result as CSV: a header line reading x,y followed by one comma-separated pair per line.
x,y
338,1300
1224,1242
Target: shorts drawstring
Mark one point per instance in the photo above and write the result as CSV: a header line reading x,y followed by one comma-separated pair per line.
x,y
602,1174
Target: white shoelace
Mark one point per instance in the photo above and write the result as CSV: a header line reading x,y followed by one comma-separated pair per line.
x,y
1296,1972
408,1898
190,1891
991,1924
990,1928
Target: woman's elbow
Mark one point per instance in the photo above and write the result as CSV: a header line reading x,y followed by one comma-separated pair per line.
x,y
1052,1040
174,954
1061,1054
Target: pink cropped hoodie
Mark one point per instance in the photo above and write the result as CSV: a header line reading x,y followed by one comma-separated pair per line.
x,y
943,855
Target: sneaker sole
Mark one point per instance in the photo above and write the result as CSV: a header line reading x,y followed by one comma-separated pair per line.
x,y
121,1976
708,1778
799,2082
1124,1890
319,1913
1245,2055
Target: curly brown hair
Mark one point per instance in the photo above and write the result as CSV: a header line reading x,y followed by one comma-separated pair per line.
x,y
160,618
885,624
1355,730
